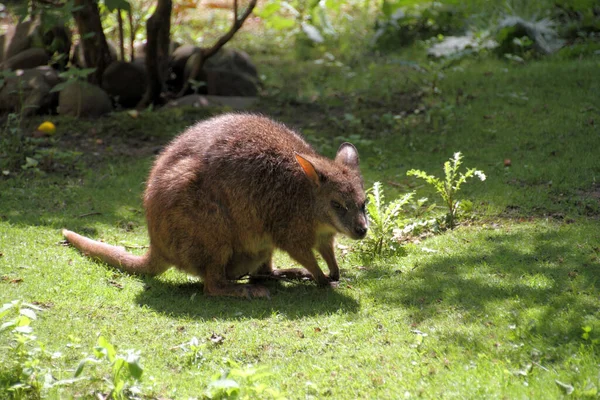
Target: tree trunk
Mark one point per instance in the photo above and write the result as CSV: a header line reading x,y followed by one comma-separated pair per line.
x,y
93,41
158,30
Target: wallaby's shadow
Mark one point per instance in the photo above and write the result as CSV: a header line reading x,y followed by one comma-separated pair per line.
x,y
294,300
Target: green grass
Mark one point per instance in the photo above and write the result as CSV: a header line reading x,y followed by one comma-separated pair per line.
x,y
493,309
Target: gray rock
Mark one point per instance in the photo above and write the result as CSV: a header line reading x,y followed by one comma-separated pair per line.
x,y
49,74
230,83
199,101
125,82
233,102
192,100
82,99
26,91
20,37
232,60
27,59
455,44
78,59
178,65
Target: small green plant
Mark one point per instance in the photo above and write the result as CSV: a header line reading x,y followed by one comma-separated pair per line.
x,y
449,187
193,352
25,362
125,368
384,219
236,382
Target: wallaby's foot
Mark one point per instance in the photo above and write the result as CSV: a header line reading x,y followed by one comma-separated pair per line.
x,y
236,290
334,277
299,274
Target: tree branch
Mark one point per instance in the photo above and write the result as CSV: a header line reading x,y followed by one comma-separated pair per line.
x,y
205,54
237,24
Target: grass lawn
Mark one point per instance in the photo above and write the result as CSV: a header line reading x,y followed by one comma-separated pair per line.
x,y
507,305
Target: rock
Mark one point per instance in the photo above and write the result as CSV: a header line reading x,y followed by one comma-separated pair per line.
x,y
232,60
178,65
455,44
222,72
20,37
230,83
191,100
198,101
125,82
27,59
233,102
82,99
78,59
26,90
49,74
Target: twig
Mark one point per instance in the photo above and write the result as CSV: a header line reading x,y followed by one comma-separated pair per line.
x,y
88,214
135,246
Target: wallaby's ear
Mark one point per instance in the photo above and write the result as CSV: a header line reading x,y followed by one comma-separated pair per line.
x,y
347,155
308,169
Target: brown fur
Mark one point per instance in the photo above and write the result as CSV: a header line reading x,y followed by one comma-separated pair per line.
x,y
228,191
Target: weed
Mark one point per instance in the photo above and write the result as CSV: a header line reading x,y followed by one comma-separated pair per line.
x,y
384,219
241,383
449,187
25,366
125,368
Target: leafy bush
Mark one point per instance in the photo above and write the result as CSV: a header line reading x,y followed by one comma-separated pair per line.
x,y
401,26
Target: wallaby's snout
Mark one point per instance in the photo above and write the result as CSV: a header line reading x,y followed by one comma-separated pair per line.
x,y
361,226
361,230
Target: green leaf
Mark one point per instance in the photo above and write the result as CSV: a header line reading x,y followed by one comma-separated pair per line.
x,y
565,387
270,9
106,348
28,313
280,23
7,325
112,5
312,33
24,329
133,363
59,87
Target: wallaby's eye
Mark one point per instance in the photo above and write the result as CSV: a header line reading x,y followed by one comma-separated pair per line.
x,y
339,207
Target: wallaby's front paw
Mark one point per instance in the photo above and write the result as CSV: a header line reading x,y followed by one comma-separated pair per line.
x,y
334,277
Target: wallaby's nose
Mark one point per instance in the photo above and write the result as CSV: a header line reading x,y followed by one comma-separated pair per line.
x,y
360,231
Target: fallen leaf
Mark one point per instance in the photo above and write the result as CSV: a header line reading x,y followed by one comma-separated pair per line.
x,y
16,280
507,162
115,284
565,387
216,339
317,329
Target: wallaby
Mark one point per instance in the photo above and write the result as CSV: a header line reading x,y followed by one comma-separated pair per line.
x,y
228,191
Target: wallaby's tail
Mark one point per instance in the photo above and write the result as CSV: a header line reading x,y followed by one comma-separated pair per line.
x,y
116,256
